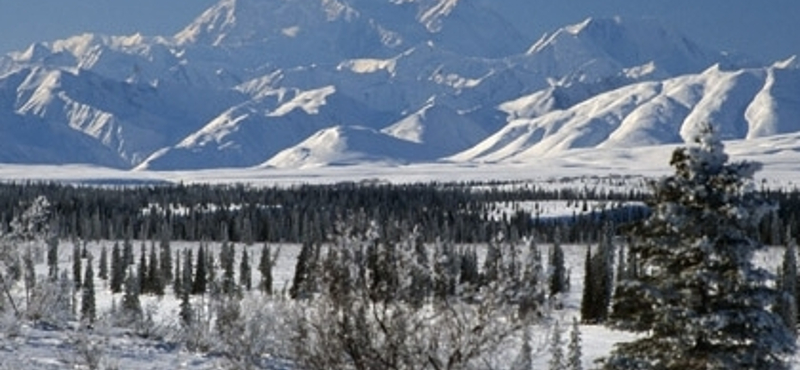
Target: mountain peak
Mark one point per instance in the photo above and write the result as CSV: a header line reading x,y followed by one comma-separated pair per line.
x,y
593,24
789,63
212,24
628,43
359,28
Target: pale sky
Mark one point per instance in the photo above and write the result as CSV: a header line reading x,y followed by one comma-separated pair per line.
x,y
767,30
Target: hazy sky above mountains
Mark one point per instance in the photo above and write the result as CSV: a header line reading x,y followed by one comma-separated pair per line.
x,y
768,30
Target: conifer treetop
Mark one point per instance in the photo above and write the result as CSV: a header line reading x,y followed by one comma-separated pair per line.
x,y
698,295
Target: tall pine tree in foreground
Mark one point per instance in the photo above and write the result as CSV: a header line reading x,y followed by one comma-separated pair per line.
x,y
698,300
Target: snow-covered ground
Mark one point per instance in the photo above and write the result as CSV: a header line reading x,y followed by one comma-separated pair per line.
x,y
27,347
577,169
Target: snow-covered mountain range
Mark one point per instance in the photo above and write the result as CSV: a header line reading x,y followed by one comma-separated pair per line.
x,y
308,83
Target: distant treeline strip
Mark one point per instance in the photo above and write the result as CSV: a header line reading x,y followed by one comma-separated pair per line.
x,y
459,212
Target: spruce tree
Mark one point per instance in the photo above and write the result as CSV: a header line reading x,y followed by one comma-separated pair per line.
x,y
187,284
469,275
63,301
600,280
127,255
88,307
245,274
533,287
131,305
524,359
201,275
177,282
52,258
29,275
557,360
117,269
246,232
212,284
165,252
558,271
302,272
265,265
421,280
103,264
787,285
178,265
186,312
155,280
144,286
226,259
76,265
698,299
492,263
575,351
589,296
445,272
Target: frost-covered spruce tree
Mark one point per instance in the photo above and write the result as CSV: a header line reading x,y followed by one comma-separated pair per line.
x,y
177,282
144,286
599,280
787,285
245,274
588,296
303,273
88,307
575,350
524,360
558,271
117,269
698,300
187,284
155,276
52,258
127,253
165,251
131,305
102,265
533,288
201,274
557,360
76,265
265,265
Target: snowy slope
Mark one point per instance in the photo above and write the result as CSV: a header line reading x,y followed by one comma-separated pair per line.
x,y
131,120
776,108
251,133
426,135
743,103
347,145
438,128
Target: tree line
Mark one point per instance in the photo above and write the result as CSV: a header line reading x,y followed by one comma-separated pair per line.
x,y
459,212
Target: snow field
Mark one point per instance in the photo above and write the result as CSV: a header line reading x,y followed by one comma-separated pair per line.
x,y
38,348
